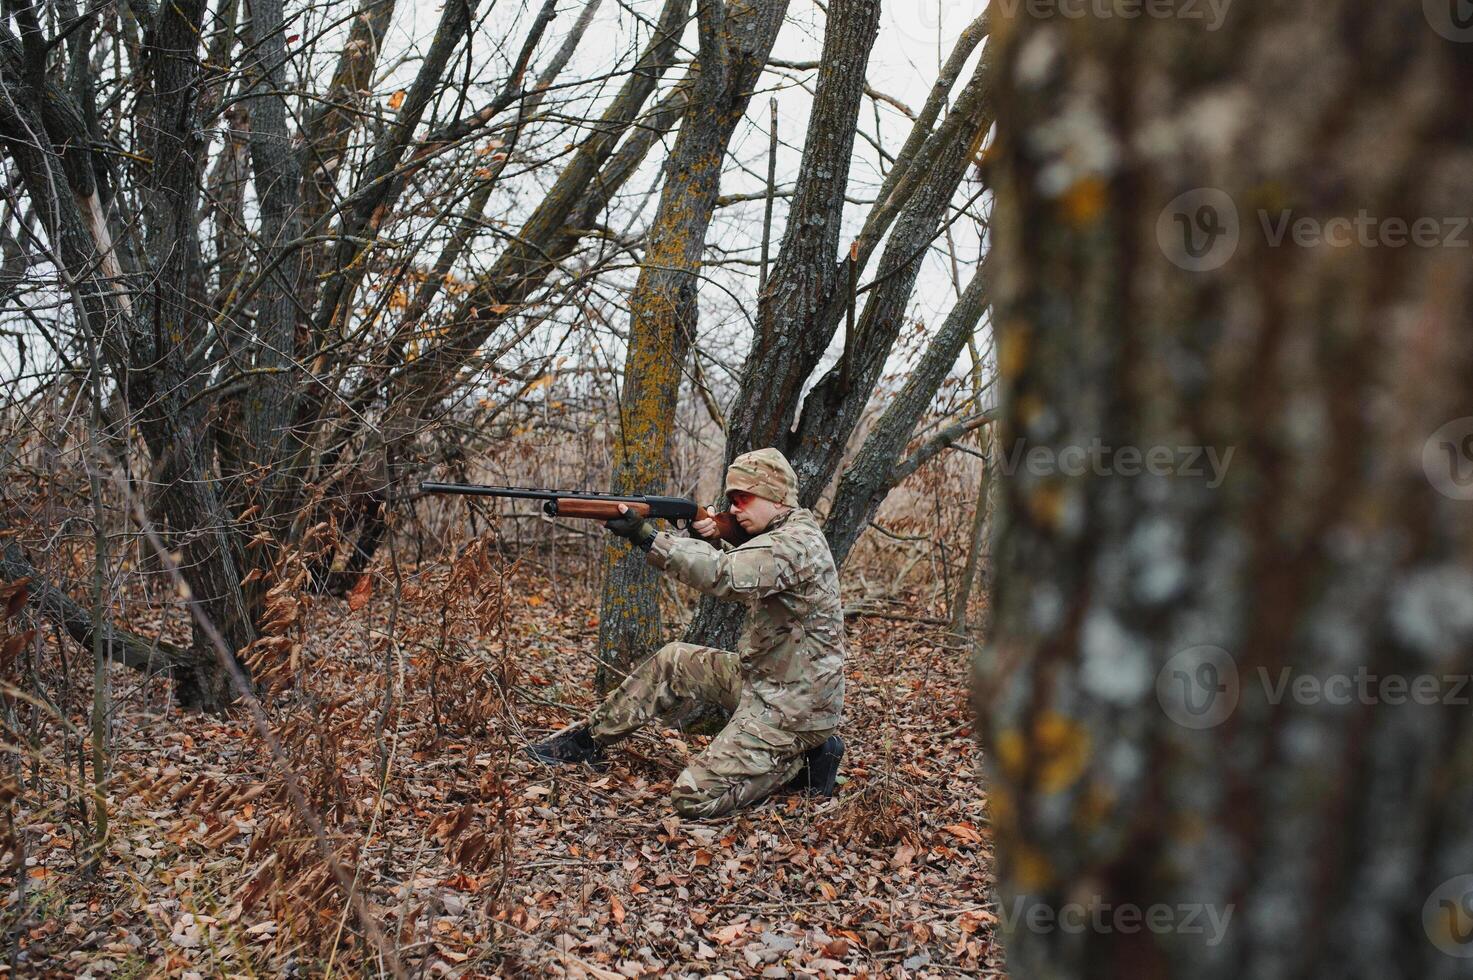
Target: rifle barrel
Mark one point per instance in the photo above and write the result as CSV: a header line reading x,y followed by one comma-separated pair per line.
x,y
525,493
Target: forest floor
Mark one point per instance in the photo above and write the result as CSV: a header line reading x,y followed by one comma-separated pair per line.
x,y
473,860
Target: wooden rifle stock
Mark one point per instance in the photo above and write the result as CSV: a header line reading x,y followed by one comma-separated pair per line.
x,y
598,510
727,528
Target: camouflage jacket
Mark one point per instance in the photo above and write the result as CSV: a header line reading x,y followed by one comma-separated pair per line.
x,y
792,651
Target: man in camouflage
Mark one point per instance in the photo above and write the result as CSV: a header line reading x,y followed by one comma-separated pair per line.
x,y
784,689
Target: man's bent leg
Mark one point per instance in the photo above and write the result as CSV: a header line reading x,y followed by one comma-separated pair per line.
x,y
676,675
744,763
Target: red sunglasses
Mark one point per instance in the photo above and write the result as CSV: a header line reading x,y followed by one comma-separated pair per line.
x,y
740,498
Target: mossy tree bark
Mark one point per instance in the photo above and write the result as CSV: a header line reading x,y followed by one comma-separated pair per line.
x,y
1141,746
734,47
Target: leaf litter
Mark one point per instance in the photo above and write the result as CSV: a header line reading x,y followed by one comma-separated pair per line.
x,y
403,709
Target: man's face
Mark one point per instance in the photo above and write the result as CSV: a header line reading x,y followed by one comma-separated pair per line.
x,y
752,512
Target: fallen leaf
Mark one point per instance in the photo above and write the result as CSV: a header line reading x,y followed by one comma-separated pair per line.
x,y
362,589
964,831
729,934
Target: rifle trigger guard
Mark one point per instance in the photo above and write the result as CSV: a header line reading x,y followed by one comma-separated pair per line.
x,y
682,523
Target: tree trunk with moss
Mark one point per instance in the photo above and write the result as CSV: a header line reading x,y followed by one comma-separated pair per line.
x,y
732,55
1234,538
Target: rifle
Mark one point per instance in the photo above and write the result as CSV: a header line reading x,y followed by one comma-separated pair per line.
x,y
605,506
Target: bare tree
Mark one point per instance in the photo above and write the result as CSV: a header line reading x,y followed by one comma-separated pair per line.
x,y
734,48
811,290
264,320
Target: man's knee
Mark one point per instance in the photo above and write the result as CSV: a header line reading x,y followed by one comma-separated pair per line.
x,y
699,794
672,650
664,664
698,806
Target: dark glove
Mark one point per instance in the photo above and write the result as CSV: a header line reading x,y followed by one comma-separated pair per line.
x,y
640,532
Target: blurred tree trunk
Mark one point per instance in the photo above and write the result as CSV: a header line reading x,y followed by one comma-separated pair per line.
x,y
733,53
1139,746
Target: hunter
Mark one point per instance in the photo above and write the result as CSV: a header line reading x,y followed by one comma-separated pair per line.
x,y
784,689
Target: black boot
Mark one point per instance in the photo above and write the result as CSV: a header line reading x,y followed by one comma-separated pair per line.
x,y
820,771
571,745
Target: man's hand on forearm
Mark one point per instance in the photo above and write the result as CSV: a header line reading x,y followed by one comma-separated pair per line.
x,y
638,531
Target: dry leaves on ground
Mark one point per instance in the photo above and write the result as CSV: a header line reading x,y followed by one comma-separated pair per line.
x,y
406,724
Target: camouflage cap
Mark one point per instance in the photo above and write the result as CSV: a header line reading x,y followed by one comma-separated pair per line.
x,y
766,473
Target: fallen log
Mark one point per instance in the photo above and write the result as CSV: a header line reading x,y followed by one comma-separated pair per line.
x,y
150,655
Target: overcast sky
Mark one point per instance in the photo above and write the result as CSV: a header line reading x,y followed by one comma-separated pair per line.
x,y
913,39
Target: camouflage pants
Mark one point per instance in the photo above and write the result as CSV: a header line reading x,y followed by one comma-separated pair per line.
x,y
746,761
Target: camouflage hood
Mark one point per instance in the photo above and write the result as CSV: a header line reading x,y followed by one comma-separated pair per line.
x,y
766,473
